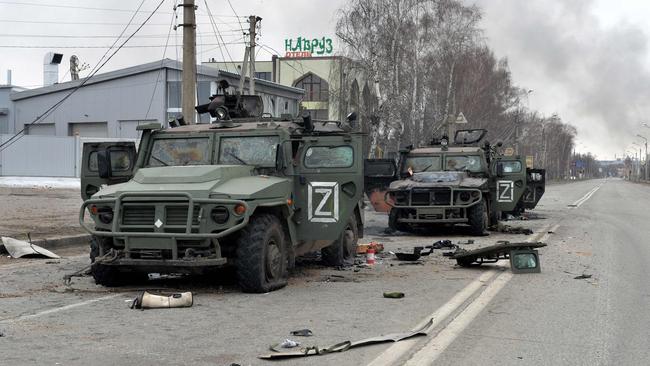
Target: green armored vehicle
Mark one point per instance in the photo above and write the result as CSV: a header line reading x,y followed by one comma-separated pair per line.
x,y
462,182
250,192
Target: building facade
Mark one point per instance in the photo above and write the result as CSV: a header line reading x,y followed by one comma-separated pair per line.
x,y
113,104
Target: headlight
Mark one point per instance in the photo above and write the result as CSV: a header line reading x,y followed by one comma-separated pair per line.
x,y
220,214
105,214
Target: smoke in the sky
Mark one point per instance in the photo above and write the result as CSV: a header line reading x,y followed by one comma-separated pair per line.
x,y
594,77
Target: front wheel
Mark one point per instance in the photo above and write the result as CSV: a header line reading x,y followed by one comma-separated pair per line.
x,y
262,255
478,218
344,249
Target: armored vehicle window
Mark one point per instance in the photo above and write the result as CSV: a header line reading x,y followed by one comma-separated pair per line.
x,y
248,150
180,151
329,157
511,166
471,163
419,164
120,161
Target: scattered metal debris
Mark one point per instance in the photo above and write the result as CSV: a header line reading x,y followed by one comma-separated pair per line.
x,y
393,295
443,244
523,259
20,248
582,277
507,229
150,301
346,345
302,333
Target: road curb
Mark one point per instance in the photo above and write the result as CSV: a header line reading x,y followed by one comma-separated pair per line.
x,y
63,241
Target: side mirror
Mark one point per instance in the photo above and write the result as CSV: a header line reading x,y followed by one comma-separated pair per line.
x,y
499,169
104,164
279,158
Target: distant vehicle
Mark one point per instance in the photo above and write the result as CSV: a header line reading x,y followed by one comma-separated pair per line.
x,y
458,183
251,192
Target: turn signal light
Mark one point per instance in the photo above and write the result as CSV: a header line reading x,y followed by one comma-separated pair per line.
x,y
93,210
239,209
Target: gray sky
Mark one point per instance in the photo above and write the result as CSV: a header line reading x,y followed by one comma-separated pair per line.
x,y
586,60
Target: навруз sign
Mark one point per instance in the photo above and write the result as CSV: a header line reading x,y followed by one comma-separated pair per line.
x,y
305,47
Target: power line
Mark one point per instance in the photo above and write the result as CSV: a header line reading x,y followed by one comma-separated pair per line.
x,y
95,36
98,23
84,7
217,33
162,60
96,69
91,47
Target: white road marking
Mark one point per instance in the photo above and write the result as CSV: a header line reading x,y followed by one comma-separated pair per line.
x,y
399,349
55,310
584,198
447,335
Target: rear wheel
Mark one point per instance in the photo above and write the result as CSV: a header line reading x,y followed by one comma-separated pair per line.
x,y
262,255
478,218
344,249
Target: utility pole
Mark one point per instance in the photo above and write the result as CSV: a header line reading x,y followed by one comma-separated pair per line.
x,y
252,20
189,61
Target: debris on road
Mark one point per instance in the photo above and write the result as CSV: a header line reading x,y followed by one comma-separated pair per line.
x,y
507,229
370,256
363,248
150,301
393,295
410,256
302,333
523,257
443,244
346,345
469,241
582,277
20,248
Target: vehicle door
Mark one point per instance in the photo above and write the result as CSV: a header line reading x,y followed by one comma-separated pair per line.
x,y
328,187
535,187
510,182
105,163
378,174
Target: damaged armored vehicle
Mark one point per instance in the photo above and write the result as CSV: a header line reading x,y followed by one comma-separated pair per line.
x,y
248,191
463,181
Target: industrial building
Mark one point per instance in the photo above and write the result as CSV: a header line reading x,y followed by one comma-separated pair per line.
x,y
112,104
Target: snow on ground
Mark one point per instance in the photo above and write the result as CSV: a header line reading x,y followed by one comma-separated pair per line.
x,y
40,182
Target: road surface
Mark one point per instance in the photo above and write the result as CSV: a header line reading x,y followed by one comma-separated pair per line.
x,y
481,315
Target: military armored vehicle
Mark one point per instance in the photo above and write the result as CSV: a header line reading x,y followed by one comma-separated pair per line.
x,y
463,181
252,192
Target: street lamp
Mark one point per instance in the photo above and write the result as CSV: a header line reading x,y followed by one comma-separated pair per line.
x,y
645,171
638,162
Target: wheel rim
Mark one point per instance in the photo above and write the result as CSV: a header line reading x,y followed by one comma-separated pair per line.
x,y
273,260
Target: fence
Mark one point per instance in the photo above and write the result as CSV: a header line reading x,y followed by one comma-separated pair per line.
x,y
45,156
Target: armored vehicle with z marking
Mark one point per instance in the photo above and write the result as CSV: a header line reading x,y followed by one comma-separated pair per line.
x,y
445,183
250,192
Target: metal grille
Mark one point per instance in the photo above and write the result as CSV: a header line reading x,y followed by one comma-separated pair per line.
x,y
177,215
138,215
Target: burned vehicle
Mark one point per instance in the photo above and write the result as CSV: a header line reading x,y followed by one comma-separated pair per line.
x,y
462,182
251,192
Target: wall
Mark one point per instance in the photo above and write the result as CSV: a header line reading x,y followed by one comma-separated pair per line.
x,y
111,101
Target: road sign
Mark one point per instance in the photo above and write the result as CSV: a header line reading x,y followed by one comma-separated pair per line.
x,y
460,119
509,151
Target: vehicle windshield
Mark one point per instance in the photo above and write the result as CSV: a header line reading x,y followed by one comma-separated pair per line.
x,y
180,151
470,163
418,164
248,150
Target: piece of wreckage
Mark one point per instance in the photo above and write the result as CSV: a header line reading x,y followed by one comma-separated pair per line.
x,y
464,181
523,256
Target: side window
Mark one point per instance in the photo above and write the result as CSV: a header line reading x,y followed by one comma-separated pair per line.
x,y
120,161
511,166
329,157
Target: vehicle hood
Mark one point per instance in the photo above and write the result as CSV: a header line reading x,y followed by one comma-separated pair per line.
x,y
223,181
439,179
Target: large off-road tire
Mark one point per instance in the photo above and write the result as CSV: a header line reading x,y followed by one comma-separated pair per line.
x,y
95,243
393,224
477,216
106,275
262,255
344,249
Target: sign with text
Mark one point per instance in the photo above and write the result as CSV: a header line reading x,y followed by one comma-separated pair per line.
x,y
306,47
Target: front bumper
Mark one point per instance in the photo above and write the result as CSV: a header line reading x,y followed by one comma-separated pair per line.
x,y
154,237
420,206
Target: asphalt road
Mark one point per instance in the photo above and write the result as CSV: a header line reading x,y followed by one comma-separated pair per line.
x,y
482,315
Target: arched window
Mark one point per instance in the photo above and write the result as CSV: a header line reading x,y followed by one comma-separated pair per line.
x,y
354,97
316,89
